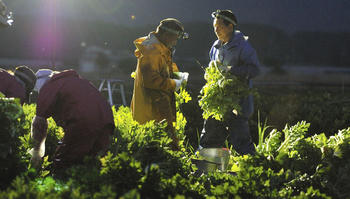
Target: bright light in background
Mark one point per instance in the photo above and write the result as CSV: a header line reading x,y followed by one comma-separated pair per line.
x,y
47,36
49,31
83,44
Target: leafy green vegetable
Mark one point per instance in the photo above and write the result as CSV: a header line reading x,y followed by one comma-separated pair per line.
x,y
139,164
11,118
221,93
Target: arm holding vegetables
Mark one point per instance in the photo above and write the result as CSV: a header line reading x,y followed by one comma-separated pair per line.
x,y
248,65
181,79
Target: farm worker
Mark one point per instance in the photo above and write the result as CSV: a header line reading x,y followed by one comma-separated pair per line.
x,y
155,82
79,108
17,84
237,57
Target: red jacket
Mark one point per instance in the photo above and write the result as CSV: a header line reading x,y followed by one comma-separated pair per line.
x,y
10,87
73,102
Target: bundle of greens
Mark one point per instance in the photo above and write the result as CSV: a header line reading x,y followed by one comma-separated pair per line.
x,y
222,92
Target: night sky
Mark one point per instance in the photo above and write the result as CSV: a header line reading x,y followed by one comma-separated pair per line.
x,y
289,15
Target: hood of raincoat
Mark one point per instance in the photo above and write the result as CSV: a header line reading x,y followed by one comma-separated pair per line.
x,y
149,45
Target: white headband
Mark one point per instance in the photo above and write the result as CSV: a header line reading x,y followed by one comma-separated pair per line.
x,y
217,14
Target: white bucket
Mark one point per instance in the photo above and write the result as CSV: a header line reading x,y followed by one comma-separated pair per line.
x,y
220,156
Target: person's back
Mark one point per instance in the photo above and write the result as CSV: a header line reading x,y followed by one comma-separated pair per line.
x,y
153,85
76,105
10,87
76,101
155,81
19,84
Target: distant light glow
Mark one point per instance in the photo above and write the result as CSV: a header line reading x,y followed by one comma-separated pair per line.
x,y
83,44
133,17
47,36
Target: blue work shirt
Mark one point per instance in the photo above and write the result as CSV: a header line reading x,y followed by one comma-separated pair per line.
x,y
241,56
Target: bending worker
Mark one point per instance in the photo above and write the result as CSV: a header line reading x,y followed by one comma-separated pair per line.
x,y
238,57
77,106
155,83
17,85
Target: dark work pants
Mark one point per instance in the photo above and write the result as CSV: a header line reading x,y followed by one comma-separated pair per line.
x,y
79,142
235,129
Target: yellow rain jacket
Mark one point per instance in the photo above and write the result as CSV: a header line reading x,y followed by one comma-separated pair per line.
x,y
153,97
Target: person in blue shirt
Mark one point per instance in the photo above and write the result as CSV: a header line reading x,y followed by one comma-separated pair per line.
x,y
239,58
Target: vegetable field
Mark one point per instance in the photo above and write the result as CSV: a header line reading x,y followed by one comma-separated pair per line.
x,y
139,164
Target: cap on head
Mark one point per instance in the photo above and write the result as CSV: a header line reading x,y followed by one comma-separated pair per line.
x,y
174,26
226,15
42,75
27,76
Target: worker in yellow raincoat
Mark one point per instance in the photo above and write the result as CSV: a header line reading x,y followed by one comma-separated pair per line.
x,y
153,96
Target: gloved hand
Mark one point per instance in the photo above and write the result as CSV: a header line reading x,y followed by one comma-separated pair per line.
x,y
35,160
37,154
178,83
184,76
181,79
181,75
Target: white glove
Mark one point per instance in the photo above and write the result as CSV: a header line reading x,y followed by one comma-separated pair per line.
x,y
184,76
35,161
37,154
181,75
178,83
40,151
